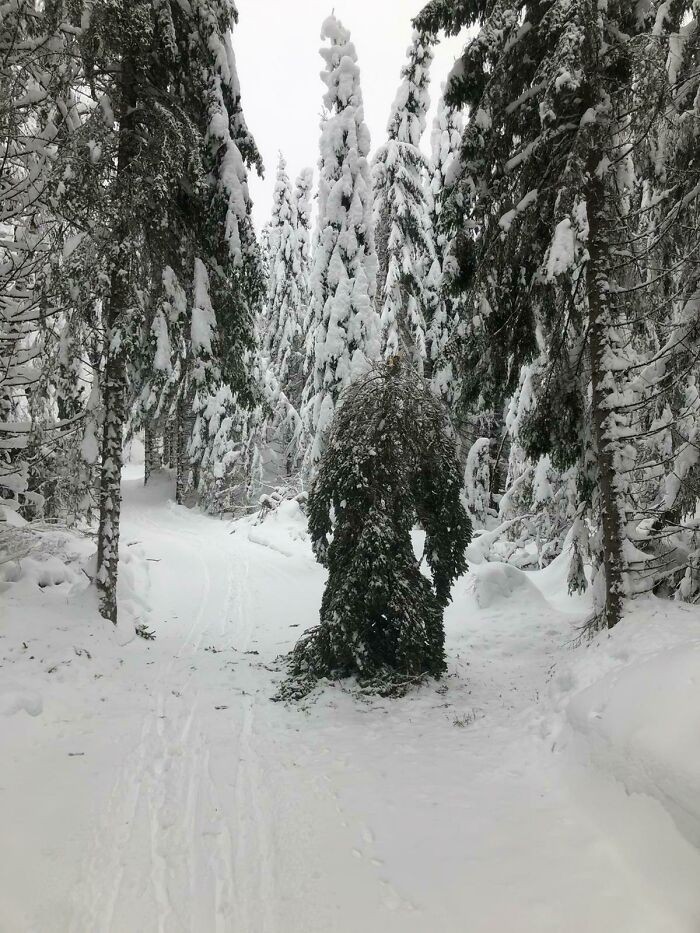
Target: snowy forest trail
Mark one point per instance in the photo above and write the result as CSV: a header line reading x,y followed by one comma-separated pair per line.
x,y
181,798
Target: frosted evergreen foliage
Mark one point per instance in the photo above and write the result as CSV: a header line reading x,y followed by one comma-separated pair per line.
x,y
343,325
537,219
287,284
303,188
477,481
281,357
156,172
35,102
540,503
221,445
443,170
444,167
227,134
389,462
577,581
404,238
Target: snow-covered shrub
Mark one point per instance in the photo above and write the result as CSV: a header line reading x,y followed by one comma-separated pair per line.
x,y
33,554
542,506
271,501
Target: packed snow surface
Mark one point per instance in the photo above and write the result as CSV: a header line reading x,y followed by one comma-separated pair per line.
x,y
154,785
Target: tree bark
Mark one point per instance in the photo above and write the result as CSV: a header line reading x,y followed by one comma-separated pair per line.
x,y
166,445
599,197
602,385
172,428
114,377
149,454
180,451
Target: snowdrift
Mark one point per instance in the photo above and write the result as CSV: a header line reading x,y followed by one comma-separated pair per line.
x,y
281,529
630,706
496,583
53,637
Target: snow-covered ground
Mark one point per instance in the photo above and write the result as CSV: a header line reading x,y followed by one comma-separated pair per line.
x,y
154,785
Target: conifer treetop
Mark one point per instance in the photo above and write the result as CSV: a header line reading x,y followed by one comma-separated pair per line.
x,y
286,282
343,328
412,102
302,193
401,217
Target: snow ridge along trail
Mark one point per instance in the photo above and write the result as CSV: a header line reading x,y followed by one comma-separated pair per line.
x,y
182,799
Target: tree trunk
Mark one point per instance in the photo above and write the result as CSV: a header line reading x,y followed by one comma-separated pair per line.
x,y
113,399
166,445
173,429
599,195
180,451
150,453
114,377
602,384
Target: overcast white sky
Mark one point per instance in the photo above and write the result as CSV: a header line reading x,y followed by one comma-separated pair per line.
x,y
276,45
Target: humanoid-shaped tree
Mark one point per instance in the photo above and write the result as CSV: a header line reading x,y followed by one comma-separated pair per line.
x,y
389,462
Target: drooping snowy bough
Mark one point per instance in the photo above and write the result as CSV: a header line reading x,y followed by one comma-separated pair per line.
x,y
389,461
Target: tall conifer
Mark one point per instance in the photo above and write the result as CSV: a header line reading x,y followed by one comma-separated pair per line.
x,y
343,325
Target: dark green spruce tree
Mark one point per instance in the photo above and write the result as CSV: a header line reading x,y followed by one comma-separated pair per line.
x,y
167,131
389,462
540,241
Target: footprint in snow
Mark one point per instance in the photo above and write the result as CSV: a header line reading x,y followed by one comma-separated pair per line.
x,y
393,900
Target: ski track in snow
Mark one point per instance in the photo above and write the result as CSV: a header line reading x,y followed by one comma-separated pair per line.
x,y
169,776
214,809
170,768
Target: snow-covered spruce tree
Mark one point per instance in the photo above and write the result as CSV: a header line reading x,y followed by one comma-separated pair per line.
x,y
168,131
445,142
548,86
284,337
287,406
401,215
344,333
303,186
389,461
124,60
34,68
669,212
226,281
227,439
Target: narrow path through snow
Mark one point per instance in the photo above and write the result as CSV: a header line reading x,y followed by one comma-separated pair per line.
x,y
197,804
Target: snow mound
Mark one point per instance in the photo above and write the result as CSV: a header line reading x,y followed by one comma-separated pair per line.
x,y
283,529
42,561
631,707
643,724
41,557
494,583
15,699
490,544
133,592
11,517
